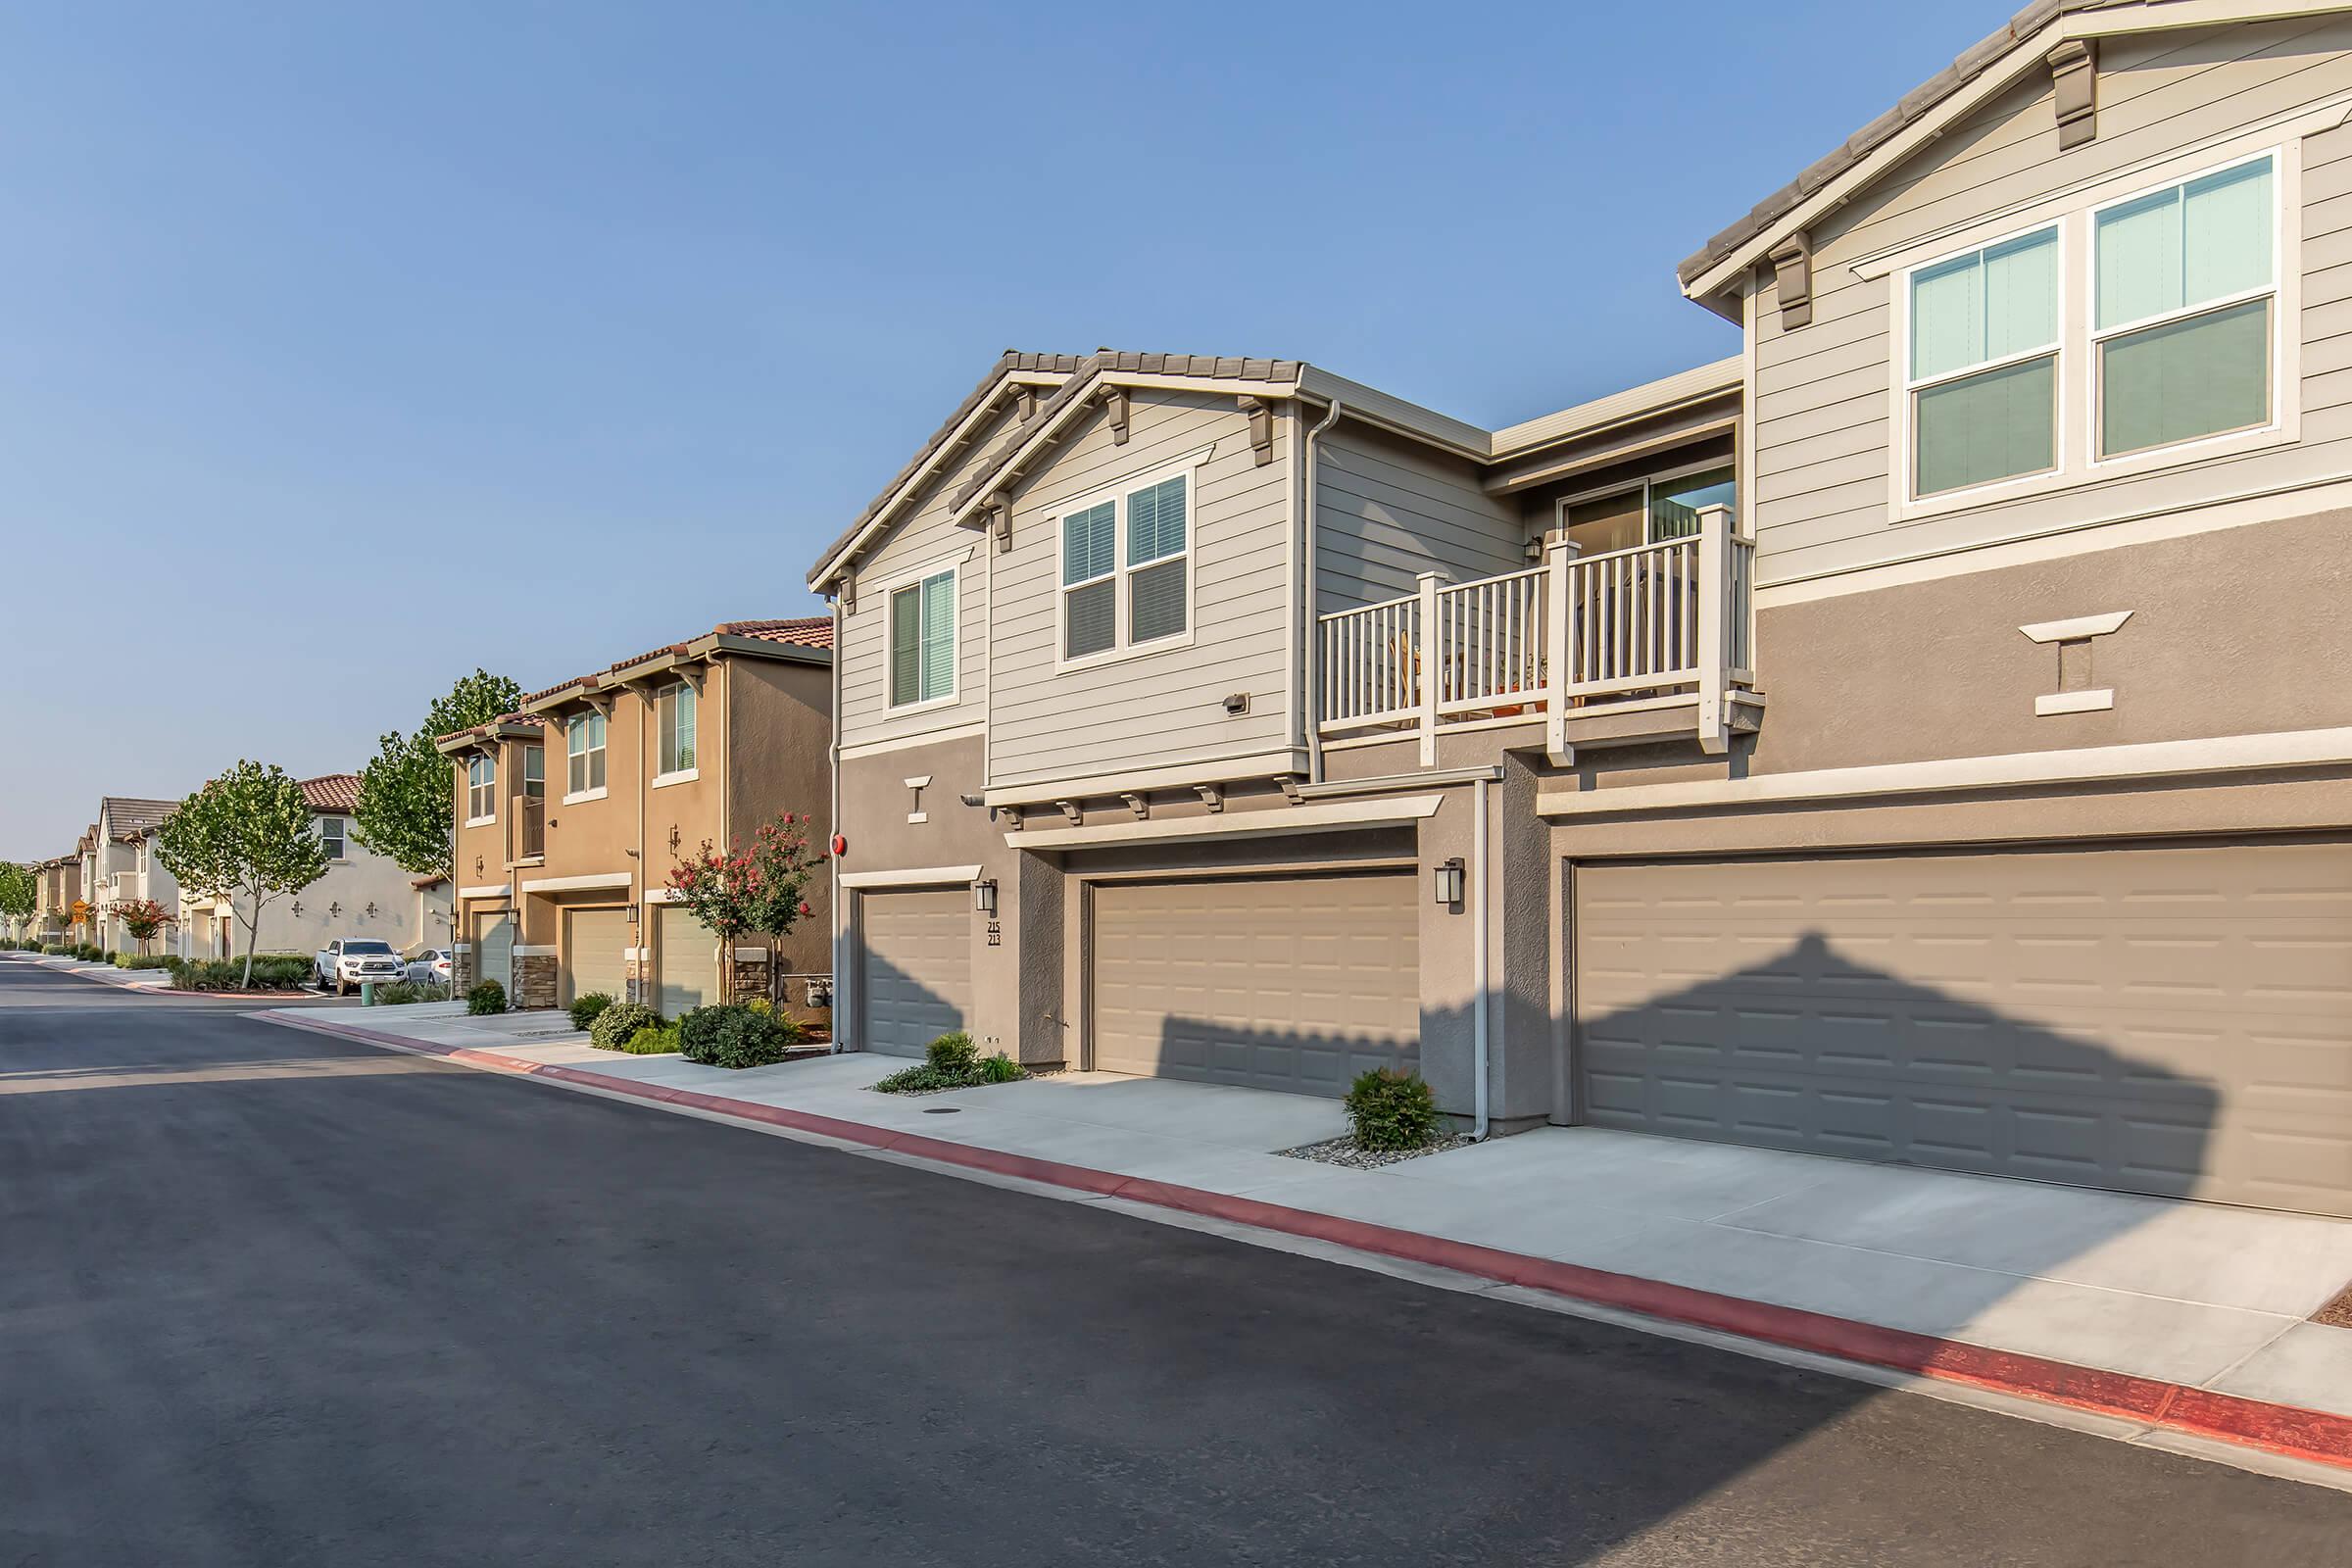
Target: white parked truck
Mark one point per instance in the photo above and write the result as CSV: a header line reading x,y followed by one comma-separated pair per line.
x,y
347,962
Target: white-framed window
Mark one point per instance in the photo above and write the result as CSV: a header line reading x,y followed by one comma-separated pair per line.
x,y
2186,309
922,640
534,771
584,751
481,790
675,714
1127,568
1985,332
330,836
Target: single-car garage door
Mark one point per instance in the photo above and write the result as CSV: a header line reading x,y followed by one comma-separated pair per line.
x,y
916,975
494,948
2171,1019
687,961
595,955
1291,983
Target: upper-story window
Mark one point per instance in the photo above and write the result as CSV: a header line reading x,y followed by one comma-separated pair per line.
x,y
922,641
1985,351
675,715
534,771
481,790
2188,286
584,748
330,836
1660,508
1126,569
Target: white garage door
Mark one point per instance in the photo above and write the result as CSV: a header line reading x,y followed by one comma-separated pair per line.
x,y
595,955
1290,983
915,969
688,959
2173,1019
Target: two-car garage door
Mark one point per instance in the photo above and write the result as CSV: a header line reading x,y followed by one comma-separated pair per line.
x,y
1291,983
2171,1020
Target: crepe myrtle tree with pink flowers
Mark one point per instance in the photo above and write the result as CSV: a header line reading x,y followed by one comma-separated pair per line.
x,y
749,888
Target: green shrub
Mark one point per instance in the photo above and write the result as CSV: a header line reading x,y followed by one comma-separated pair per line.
x,y
732,1035
1392,1109
584,1010
952,1053
654,1040
270,973
487,998
952,1061
133,960
90,953
404,992
618,1024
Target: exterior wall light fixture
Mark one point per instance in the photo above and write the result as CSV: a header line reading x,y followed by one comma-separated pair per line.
x,y
1446,881
984,897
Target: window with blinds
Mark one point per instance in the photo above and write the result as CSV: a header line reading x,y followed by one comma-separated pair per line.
x,y
1126,570
584,752
1983,365
2186,279
922,641
677,717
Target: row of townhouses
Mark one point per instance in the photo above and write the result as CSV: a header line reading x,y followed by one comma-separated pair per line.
x,y
81,896
1921,737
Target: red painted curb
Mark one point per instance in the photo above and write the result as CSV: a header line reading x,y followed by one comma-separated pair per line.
x,y
2289,1430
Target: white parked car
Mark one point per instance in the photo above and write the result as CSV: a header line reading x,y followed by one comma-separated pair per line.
x,y
429,966
343,963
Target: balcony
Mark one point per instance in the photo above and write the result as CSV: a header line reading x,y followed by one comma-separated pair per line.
x,y
1638,644
531,827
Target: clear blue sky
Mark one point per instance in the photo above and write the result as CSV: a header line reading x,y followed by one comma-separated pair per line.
x,y
348,346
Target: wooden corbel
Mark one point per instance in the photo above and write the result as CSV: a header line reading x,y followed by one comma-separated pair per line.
x,y
1793,271
1024,404
1072,814
1116,400
1261,426
849,592
1289,783
1210,796
1139,805
1001,523
2074,88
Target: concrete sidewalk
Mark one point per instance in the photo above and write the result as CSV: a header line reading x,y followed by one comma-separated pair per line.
x,y
128,979
2191,1300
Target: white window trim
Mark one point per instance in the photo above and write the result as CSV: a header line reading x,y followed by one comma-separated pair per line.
x,y
1116,492
953,569
490,784
2274,290
594,792
661,746
482,821
342,838
1903,459
2072,210
684,776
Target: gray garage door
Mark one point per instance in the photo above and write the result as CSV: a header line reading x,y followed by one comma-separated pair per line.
x,y
2171,1019
493,948
595,948
916,973
1291,983
687,961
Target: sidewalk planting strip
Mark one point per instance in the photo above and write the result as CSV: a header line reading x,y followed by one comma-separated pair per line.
x,y
2287,1430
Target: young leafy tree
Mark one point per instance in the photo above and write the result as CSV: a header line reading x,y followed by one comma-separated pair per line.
x,y
745,890
246,836
142,919
20,895
407,808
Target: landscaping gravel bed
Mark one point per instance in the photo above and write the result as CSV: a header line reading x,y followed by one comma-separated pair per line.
x,y
1341,1151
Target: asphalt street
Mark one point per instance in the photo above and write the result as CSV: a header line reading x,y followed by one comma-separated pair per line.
x,y
269,1298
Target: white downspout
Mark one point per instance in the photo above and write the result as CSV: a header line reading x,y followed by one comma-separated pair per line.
x,y
1481,956
1313,704
833,826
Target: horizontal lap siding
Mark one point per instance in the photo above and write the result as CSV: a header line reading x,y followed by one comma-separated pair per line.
x,y
1388,512
925,534
1821,473
1163,708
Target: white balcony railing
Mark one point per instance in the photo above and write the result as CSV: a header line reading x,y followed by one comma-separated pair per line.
x,y
1579,633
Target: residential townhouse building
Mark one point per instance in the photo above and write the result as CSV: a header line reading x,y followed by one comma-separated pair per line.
x,y
1922,738
58,886
124,871
362,894
572,811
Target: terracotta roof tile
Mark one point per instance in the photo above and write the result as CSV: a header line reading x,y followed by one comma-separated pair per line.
x,y
806,631
332,792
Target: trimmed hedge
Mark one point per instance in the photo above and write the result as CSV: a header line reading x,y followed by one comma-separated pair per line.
x,y
134,961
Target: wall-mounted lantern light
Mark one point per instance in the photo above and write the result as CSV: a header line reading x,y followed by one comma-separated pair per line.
x,y
984,899
1446,881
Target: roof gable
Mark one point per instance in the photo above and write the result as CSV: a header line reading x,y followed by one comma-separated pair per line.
x,y
1994,64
